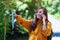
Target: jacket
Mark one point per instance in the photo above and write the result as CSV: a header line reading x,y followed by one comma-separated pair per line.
x,y
37,34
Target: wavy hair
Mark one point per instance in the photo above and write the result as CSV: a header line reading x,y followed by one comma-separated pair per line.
x,y
34,22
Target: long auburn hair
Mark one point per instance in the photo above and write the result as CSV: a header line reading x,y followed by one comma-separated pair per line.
x,y
34,22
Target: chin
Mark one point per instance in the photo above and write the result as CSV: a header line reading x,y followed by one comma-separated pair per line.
x,y
39,18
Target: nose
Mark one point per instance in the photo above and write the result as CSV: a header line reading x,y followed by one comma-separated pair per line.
x,y
38,13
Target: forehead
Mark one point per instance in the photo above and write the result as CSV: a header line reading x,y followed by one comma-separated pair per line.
x,y
40,9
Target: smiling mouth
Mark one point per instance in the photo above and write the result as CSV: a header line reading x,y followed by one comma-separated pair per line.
x,y
39,17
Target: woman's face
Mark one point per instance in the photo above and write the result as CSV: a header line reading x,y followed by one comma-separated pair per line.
x,y
39,13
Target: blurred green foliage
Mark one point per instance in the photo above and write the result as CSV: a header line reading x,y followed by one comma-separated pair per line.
x,y
53,7
27,9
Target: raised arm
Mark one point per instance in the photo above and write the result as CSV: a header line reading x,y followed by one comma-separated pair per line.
x,y
47,32
25,23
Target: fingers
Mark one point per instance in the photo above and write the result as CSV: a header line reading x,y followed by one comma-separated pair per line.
x,y
44,20
15,15
44,27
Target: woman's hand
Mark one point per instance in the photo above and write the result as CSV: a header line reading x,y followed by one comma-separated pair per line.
x,y
44,22
15,15
44,18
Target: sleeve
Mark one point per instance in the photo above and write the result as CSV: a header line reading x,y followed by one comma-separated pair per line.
x,y
47,32
25,23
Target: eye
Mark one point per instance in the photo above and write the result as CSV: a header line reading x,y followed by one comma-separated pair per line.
x,y
40,12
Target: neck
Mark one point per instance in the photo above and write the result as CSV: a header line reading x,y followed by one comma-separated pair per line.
x,y
40,20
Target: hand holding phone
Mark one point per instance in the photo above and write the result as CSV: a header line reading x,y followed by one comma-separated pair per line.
x,y
44,22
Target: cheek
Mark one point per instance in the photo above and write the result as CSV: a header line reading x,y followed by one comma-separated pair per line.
x,y
41,13
37,14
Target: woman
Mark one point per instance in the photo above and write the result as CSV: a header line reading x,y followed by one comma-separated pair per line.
x,y
39,28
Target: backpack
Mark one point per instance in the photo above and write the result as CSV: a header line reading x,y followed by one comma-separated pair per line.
x,y
50,37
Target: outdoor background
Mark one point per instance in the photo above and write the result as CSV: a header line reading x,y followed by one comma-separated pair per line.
x,y
27,10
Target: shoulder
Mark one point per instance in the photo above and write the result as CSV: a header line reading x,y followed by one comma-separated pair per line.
x,y
49,23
